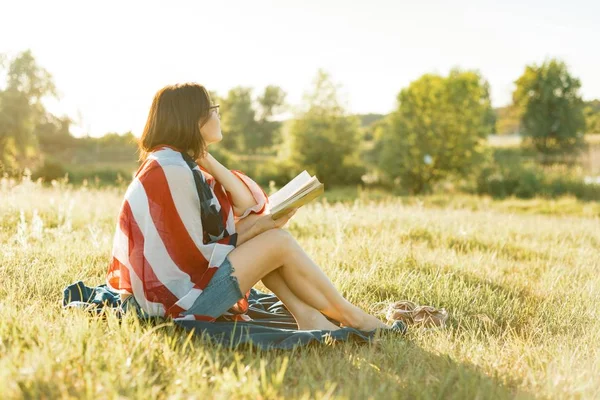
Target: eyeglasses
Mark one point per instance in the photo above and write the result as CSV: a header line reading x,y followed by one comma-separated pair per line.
x,y
216,108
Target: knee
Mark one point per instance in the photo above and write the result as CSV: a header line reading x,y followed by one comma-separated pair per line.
x,y
281,241
279,237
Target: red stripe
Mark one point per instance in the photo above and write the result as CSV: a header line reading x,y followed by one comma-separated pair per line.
x,y
177,240
118,276
241,306
207,276
142,167
174,311
225,240
154,290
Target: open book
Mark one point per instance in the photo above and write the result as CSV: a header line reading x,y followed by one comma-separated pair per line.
x,y
297,192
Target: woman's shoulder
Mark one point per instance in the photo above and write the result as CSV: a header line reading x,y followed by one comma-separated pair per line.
x,y
163,159
160,171
167,157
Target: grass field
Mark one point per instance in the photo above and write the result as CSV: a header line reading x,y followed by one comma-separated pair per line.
x,y
521,280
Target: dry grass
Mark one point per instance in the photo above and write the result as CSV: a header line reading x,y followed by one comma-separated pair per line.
x,y
522,288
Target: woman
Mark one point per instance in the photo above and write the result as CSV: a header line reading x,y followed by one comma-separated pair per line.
x,y
194,237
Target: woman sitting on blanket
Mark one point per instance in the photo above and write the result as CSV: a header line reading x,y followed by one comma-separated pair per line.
x,y
193,237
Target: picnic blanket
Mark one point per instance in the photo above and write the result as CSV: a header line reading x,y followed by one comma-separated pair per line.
x,y
272,325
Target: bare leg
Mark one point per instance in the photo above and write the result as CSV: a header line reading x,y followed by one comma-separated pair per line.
x,y
276,249
307,317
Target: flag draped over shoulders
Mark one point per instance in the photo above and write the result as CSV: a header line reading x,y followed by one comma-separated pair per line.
x,y
175,227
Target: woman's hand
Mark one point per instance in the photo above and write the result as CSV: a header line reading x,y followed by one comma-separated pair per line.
x,y
243,224
205,162
266,222
262,224
241,196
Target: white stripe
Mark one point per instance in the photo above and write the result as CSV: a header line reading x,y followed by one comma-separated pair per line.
x,y
231,223
184,194
188,300
120,252
182,187
166,153
177,281
187,203
188,317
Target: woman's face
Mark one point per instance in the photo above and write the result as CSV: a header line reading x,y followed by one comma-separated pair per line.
x,y
211,130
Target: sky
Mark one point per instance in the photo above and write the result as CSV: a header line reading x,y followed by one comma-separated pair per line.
x,y
109,58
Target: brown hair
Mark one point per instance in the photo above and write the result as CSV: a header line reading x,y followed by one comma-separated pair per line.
x,y
173,119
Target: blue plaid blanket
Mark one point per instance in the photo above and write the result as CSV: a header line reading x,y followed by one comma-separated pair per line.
x,y
272,325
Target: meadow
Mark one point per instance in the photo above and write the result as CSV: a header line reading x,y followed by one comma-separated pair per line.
x,y
520,278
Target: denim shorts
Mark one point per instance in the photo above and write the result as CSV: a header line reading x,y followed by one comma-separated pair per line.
x,y
222,292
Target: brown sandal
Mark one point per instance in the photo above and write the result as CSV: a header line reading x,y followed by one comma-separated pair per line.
x,y
411,313
428,316
401,311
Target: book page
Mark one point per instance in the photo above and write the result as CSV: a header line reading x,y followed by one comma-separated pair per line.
x,y
289,189
301,191
299,200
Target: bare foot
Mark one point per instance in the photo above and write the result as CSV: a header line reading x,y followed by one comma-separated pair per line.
x,y
317,321
369,323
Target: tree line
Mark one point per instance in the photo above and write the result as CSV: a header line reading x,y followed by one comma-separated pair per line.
x,y
438,129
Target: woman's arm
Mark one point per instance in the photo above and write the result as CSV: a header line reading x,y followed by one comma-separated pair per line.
x,y
247,234
241,196
255,224
243,224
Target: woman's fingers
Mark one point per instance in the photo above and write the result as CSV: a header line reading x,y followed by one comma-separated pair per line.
x,y
281,221
289,214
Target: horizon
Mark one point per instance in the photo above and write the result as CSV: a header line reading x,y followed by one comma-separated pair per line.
x,y
107,65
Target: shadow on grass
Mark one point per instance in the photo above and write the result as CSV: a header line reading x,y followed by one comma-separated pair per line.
x,y
479,306
394,367
466,245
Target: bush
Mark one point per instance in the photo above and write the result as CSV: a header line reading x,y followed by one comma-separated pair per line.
x,y
261,168
101,175
528,185
527,180
494,185
50,170
278,171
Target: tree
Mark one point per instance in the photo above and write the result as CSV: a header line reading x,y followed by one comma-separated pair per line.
x,y
438,129
507,120
238,119
21,109
592,116
551,108
53,133
247,123
324,139
271,103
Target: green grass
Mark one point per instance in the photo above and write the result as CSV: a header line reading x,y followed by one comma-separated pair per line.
x,y
562,206
520,279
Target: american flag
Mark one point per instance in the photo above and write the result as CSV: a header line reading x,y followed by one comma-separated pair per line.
x,y
164,253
